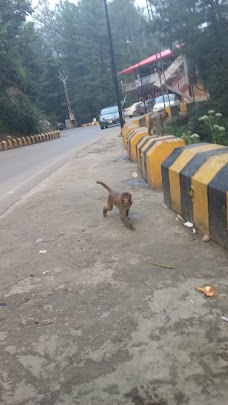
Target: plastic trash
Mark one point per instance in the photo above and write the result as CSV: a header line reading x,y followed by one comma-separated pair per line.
x,y
134,174
188,224
207,290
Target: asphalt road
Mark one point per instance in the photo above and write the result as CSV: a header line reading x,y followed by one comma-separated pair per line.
x,y
23,168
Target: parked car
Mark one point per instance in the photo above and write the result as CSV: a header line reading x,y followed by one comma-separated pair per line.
x,y
130,111
60,126
170,99
109,116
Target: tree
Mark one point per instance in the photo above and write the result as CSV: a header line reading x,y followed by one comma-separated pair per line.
x,y
201,27
12,15
71,40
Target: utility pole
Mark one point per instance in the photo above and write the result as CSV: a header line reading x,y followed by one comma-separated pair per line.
x,y
71,115
151,17
114,73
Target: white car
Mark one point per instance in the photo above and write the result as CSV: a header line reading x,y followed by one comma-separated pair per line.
x,y
130,111
170,100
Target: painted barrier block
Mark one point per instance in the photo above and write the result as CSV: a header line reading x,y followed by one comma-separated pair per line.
x,y
195,184
28,140
125,131
151,152
132,140
128,133
140,121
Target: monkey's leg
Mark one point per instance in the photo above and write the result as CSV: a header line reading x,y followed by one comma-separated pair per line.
x,y
127,213
162,128
150,126
159,128
126,221
107,207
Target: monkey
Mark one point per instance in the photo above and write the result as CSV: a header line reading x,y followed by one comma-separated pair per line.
x,y
157,120
122,201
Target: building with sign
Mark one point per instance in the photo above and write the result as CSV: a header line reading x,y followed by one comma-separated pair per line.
x,y
163,73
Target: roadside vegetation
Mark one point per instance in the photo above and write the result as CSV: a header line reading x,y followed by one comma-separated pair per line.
x,y
39,45
201,29
202,124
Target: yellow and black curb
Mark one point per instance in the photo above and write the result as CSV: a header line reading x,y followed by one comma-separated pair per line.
x,y
133,138
195,185
151,151
126,130
140,121
11,143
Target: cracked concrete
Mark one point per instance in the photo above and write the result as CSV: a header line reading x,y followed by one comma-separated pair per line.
x,y
93,321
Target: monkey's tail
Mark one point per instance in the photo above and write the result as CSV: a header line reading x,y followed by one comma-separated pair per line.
x,y
104,185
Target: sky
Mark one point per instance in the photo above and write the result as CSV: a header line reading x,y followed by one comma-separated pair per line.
x,y
140,3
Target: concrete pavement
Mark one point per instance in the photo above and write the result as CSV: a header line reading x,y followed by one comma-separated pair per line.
x,y
92,321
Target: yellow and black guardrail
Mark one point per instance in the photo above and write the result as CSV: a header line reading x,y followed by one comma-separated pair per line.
x,y
11,143
126,130
134,136
195,185
140,121
151,151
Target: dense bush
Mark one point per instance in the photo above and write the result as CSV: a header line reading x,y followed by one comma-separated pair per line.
x,y
212,128
18,115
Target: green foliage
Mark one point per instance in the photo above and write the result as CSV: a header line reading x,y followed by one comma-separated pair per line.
x,y
203,128
202,124
18,115
176,126
214,124
190,138
71,41
201,27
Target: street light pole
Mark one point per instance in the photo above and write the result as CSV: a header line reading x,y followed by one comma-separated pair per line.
x,y
113,65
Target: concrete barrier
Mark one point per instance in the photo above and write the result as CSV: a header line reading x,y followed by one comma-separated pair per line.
x,y
140,121
172,111
132,140
126,130
151,152
195,185
133,132
183,108
12,143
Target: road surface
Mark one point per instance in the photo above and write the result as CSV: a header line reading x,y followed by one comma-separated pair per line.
x,y
23,168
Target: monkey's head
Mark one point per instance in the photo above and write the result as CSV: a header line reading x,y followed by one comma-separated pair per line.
x,y
126,199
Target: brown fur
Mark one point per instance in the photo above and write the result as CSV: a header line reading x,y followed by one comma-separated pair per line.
x,y
122,201
157,120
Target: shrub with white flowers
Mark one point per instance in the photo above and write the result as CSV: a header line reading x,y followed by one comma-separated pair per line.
x,y
211,122
189,138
